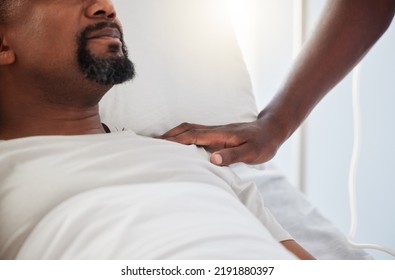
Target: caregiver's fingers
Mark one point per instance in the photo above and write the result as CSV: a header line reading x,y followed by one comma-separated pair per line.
x,y
184,127
251,143
243,142
212,139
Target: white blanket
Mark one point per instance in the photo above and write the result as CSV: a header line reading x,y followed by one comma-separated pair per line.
x,y
185,221
121,196
298,216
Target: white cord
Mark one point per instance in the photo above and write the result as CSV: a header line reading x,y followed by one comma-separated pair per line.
x,y
354,165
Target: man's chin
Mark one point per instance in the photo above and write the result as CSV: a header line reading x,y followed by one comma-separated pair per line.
x,y
106,48
104,60
109,71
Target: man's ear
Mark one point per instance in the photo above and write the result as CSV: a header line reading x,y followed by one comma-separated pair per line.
x,y
7,55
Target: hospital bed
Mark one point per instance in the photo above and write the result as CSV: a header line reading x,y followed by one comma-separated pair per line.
x,y
189,69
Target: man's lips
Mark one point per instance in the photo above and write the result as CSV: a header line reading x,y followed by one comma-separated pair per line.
x,y
108,32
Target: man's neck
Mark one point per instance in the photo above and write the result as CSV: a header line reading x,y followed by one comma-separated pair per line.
x,y
51,121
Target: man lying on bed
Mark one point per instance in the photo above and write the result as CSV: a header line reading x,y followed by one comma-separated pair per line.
x,y
57,60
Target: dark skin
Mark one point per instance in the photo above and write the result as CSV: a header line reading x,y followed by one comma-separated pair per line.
x,y
346,32
54,97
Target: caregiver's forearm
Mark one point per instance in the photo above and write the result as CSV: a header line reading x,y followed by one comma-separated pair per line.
x,y
345,33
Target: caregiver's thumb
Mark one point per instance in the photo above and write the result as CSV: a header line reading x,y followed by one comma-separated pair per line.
x,y
232,155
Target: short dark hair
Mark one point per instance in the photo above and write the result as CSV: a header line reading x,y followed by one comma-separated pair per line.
x,y
3,10
6,7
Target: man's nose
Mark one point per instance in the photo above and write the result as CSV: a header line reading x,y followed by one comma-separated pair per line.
x,y
103,9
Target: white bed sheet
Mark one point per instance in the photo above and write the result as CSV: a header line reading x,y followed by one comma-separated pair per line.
x,y
184,221
134,211
298,215
40,174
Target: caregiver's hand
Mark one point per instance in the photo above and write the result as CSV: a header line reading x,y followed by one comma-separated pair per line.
x,y
252,143
345,33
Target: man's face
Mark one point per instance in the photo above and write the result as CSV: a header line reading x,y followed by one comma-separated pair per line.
x,y
69,41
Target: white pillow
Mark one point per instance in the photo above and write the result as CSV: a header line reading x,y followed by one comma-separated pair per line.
x,y
189,68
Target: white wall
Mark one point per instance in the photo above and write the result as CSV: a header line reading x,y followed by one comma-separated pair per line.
x,y
267,47
330,143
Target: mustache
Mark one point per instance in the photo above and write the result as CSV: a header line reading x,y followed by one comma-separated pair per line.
x,y
98,26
